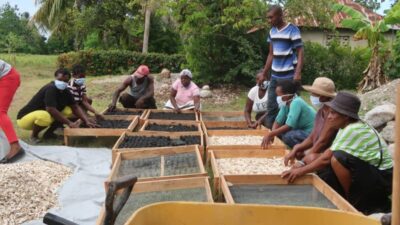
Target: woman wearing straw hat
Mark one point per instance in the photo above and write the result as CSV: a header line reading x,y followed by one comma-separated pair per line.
x,y
322,91
359,162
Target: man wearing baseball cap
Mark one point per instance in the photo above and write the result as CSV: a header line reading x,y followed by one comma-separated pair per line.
x,y
358,161
141,91
321,92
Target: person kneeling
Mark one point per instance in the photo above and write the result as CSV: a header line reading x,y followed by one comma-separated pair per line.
x,y
358,165
51,107
185,94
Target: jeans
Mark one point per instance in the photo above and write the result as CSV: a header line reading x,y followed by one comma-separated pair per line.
x,y
294,137
272,105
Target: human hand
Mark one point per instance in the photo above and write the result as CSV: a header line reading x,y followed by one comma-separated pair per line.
x,y
177,110
91,120
75,124
292,174
92,125
254,125
267,141
289,157
111,107
297,77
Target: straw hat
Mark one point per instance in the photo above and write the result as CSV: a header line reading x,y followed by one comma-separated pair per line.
x,y
322,86
346,104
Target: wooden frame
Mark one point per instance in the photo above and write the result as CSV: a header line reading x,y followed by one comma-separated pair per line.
x,y
147,117
165,185
100,132
312,179
116,148
204,115
220,154
206,125
142,116
157,152
169,122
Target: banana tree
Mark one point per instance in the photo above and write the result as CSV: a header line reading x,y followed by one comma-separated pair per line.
x,y
373,32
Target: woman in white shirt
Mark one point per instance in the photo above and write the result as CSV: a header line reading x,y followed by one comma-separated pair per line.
x,y
257,102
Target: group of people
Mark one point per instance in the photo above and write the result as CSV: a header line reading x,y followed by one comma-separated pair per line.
x,y
64,101
334,142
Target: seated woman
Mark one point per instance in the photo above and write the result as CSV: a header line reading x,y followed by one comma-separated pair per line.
x,y
185,95
295,119
257,102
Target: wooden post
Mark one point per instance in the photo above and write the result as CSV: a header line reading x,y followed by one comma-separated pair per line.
x,y
396,174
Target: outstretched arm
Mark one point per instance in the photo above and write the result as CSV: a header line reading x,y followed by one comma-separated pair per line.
x,y
117,92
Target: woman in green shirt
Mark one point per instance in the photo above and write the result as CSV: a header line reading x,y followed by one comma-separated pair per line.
x,y
295,119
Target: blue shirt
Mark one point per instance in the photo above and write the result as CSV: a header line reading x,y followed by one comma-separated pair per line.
x,y
284,43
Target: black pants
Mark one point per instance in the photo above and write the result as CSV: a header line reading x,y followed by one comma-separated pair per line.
x,y
370,187
129,101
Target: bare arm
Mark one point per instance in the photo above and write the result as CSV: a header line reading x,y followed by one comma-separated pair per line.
x,y
87,105
300,62
268,63
247,111
326,137
279,130
120,89
196,100
172,99
80,114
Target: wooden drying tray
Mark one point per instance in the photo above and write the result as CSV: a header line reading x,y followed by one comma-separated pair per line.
x,y
277,144
162,152
218,115
310,179
244,153
100,132
166,185
147,117
206,125
169,122
141,117
116,148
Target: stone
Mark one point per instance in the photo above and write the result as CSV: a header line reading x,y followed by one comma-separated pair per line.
x,y
388,133
205,92
391,150
165,73
380,115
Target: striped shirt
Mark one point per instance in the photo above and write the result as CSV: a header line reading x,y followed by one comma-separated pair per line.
x,y
284,44
360,140
77,91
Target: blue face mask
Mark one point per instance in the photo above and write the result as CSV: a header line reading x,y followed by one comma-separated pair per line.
x,y
280,102
264,85
61,85
315,101
80,81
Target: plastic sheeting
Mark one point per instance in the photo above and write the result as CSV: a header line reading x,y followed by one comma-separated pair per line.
x,y
82,195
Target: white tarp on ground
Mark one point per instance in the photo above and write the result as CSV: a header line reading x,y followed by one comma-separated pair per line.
x,y
82,195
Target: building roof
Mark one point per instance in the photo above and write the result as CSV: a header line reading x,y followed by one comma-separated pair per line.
x,y
339,17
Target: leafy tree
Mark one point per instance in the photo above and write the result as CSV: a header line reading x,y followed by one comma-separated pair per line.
x,y
370,4
372,31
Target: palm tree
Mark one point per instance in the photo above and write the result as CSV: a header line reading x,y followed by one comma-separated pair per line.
x,y
149,6
372,31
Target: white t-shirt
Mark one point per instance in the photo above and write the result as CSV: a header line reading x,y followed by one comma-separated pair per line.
x,y
259,105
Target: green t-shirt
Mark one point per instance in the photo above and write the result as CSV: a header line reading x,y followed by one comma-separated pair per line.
x,y
298,116
360,140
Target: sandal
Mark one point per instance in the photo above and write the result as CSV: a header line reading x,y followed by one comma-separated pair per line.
x,y
13,159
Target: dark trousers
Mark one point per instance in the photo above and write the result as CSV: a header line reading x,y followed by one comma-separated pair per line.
x,y
128,101
293,137
370,187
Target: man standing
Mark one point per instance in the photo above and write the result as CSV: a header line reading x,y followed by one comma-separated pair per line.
x,y
141,93
285,57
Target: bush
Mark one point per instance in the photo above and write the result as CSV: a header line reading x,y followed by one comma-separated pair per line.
x,y
342,64
392,66
117,62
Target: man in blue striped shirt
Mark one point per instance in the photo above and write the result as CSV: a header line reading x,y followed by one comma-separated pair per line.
x,y
285,58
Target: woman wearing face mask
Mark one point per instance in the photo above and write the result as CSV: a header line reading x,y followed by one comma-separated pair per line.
x,y
295,119
322,91
52,106
78,89
257,102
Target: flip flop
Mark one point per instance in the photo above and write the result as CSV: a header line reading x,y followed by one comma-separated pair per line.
x,y
35,140
15,158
